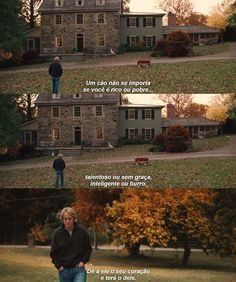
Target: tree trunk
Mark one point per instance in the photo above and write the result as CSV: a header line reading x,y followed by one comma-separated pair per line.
x,y
187,251
95,239
133,250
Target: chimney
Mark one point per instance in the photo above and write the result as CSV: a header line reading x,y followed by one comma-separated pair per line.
x,y
170,111
171,19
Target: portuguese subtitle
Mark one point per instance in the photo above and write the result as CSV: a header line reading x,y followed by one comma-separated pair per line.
x,y
115,181
118,274
116,86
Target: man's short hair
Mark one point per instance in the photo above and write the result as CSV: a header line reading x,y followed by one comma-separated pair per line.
x,y
60,156
70,211
56,59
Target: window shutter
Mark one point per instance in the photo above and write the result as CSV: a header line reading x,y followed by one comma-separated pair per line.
x,y
154,40
143,133
153,22
126,133
153,114
144,22
137,22
136,114
143,114
128,22
136,132
128,40
126,114
137,39
153,133
144,39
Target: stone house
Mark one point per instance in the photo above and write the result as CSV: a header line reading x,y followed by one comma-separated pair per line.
x,y
90,119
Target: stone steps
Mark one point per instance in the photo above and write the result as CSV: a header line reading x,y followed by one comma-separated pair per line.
x,y
70,152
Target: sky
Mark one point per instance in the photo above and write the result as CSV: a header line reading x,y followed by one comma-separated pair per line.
x,y
202,6
151,99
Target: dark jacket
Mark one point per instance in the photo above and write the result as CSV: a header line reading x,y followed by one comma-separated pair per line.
x,y
55,70
59,164
69,250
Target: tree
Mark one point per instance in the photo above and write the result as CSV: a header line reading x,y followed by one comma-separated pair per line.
x,y
180,101
11,27
195,19
125,6
26,106
157,217
217,113
30,13
195,110
178,44
177,139
181,8
10,121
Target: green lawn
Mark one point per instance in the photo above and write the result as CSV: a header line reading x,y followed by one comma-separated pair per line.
x,y
185,77
204,50
187,173
27,265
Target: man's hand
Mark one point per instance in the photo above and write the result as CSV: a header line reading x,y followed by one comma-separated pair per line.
x,y
61,268
81,264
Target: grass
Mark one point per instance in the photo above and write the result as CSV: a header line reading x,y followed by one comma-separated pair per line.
x,y
185,77
204,50
187,173
27,265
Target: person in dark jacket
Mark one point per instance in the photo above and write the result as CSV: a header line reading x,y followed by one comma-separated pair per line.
x,y
55,70
59,165
71,248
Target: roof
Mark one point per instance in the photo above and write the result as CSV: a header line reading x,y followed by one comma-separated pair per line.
x,y
69,99
142,106
89,5
189,29
150,14
200,121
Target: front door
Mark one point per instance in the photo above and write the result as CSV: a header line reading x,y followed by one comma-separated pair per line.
x,y
77,134
80,42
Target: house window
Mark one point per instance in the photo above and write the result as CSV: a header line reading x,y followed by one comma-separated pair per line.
x,y
98,95
101,40
55,112
132,132
77,95
99,133
148,134
149,41
79,2
148,114
131,114
149,22
100,2
132,22
55,134
99,111
59,3
101,18
58,19
30,44
58,42
80,18
77,111
133,41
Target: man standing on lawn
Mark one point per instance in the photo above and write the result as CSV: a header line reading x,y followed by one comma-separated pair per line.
x,y
55,70
70,248
59,165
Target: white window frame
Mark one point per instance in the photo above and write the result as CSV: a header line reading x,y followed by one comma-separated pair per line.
x,y
148,132
59,3
148,114
54,115
77,96
131,114
100,2
148,23
56,19
149,38
101,18
99,111
131,136
79,3
79,14
131,38
98,95
77,111
132,21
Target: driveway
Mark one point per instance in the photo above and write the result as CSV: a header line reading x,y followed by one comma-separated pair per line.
x,y
228,55
228,151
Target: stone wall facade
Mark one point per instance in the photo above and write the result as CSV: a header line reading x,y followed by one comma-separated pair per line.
x,y
69,30
67,122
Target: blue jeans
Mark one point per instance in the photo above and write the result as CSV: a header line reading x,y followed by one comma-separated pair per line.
x,y
74,274
55,84
59,176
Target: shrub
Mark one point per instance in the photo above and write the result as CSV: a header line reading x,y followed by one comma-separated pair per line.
x,y
160,49
177,139
30,56
137,141
160,142
26,151
178,44
11,154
